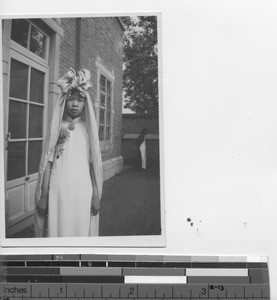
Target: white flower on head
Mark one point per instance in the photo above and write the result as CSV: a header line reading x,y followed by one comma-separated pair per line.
x,y
70,80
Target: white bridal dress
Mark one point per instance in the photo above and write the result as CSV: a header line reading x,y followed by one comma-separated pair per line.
x,y
70,189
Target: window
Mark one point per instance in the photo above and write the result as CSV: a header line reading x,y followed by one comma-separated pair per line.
x,y
29,36
105,114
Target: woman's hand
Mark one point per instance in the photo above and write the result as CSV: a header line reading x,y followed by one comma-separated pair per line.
x,y
41,206
95,206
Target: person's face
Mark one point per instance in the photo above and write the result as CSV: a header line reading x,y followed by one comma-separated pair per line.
x,y
74,105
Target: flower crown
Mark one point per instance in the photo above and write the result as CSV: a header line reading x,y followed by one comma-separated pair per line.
x,y
79,81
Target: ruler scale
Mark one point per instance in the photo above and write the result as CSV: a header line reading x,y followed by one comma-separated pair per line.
x,y
140,277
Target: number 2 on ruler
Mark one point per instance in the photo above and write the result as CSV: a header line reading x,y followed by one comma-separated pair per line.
x,y
132,291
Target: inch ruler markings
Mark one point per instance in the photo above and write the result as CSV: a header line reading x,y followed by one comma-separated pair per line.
x,y
136,277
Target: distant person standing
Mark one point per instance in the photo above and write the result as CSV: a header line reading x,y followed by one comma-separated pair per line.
x,y
141,145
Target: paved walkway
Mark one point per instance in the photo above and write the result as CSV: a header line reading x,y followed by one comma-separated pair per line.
x,y
130,204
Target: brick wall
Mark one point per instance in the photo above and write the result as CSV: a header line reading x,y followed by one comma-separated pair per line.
x,y
101,39
134,123
68,45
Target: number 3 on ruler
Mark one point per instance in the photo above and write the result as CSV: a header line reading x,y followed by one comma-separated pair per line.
x,y
204,291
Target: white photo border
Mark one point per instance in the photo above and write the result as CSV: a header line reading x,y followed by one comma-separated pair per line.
x,y
101,241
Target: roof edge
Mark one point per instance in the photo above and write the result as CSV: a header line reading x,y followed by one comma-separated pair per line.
x,y
121,23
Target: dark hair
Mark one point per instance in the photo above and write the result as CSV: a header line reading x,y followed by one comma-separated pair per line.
x,y
71,92
144,131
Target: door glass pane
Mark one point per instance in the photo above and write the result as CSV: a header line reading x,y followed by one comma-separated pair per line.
x,y
102,84
16,160
34,155
102,116
18,80
107,133
101,133
37,86
108,87
17,119
19,32
108,117
35,121
37,43
102,100
109,102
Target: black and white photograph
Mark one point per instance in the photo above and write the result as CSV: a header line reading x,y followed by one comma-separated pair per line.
x,y
140,131
82,130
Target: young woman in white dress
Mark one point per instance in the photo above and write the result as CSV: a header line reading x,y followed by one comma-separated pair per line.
x,y
70,182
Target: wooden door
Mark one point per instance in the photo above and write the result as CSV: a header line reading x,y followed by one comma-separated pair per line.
x,y
26,118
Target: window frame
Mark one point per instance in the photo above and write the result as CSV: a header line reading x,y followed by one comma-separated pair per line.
x,y
102,71
26,51
53,31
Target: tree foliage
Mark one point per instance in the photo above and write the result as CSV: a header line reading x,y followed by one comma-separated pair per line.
x,y
140,71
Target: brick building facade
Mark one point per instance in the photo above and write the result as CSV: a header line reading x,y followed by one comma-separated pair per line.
x,y
36,52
